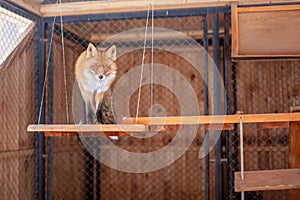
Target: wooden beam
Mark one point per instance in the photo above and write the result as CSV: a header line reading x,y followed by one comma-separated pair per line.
x,y
67,128
163,35
267,125
31,6
235,30
282,179
215,119
99,7
86,134
17,153
268,8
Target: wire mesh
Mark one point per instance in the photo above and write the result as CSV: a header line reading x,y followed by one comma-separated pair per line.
x,y
17,99
74,171
264,87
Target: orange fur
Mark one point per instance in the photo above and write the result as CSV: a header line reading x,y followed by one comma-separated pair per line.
x,y
95,71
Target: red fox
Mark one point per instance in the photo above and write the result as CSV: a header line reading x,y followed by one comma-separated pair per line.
x,y
95,71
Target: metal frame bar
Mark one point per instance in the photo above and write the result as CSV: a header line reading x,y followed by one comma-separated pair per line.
x,y
141,15
226,52
40,138
206,106
50,117
217,105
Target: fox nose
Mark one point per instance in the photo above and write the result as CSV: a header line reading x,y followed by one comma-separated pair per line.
x,y
101,77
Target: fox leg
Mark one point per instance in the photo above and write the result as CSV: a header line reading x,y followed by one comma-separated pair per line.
x,y
99,101
99,113
89,114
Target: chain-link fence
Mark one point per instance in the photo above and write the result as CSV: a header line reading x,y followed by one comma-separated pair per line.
x,y
69,167
17,100
74,170
264,87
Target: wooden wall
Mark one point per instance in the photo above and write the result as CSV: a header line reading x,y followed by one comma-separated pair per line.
x,y
17,110
267,87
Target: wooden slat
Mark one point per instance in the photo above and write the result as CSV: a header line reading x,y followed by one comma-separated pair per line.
x,y
213,127
283,179
235,30
216,119
275,125
17,153
86,128
84,134
99,7
268,8
32,6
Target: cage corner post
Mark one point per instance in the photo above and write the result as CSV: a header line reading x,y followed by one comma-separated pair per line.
x,y
206,104
217,108
50,65
40,109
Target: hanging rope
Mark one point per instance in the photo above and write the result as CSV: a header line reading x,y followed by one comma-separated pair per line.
x,y
47,65
152,59
64,63
242,153
46,71
143,60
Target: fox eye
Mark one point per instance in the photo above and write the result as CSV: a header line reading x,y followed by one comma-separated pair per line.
x,y
105,66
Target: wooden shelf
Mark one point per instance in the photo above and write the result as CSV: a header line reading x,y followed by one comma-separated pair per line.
x,y
213,122
282,179
215,119
87,129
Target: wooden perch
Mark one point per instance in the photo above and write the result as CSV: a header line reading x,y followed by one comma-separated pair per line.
x,y
86,129
213,122
282,179
215,119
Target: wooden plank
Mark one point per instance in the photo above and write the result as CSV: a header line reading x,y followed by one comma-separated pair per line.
x,y
215,119
235,30
213,127
31,6
99,7
83,134
162,35
268,8
275,125
17,153
268,180
86,128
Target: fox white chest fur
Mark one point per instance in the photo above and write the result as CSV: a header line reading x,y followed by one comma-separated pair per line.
x,y
95,71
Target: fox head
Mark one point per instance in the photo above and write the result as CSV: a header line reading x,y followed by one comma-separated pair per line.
x,y
96,69
102,62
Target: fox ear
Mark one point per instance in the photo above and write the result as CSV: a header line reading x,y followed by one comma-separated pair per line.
x,y
91,51
112,53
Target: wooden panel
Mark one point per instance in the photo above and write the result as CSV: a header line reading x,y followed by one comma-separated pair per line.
x,y
268,180
267,31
